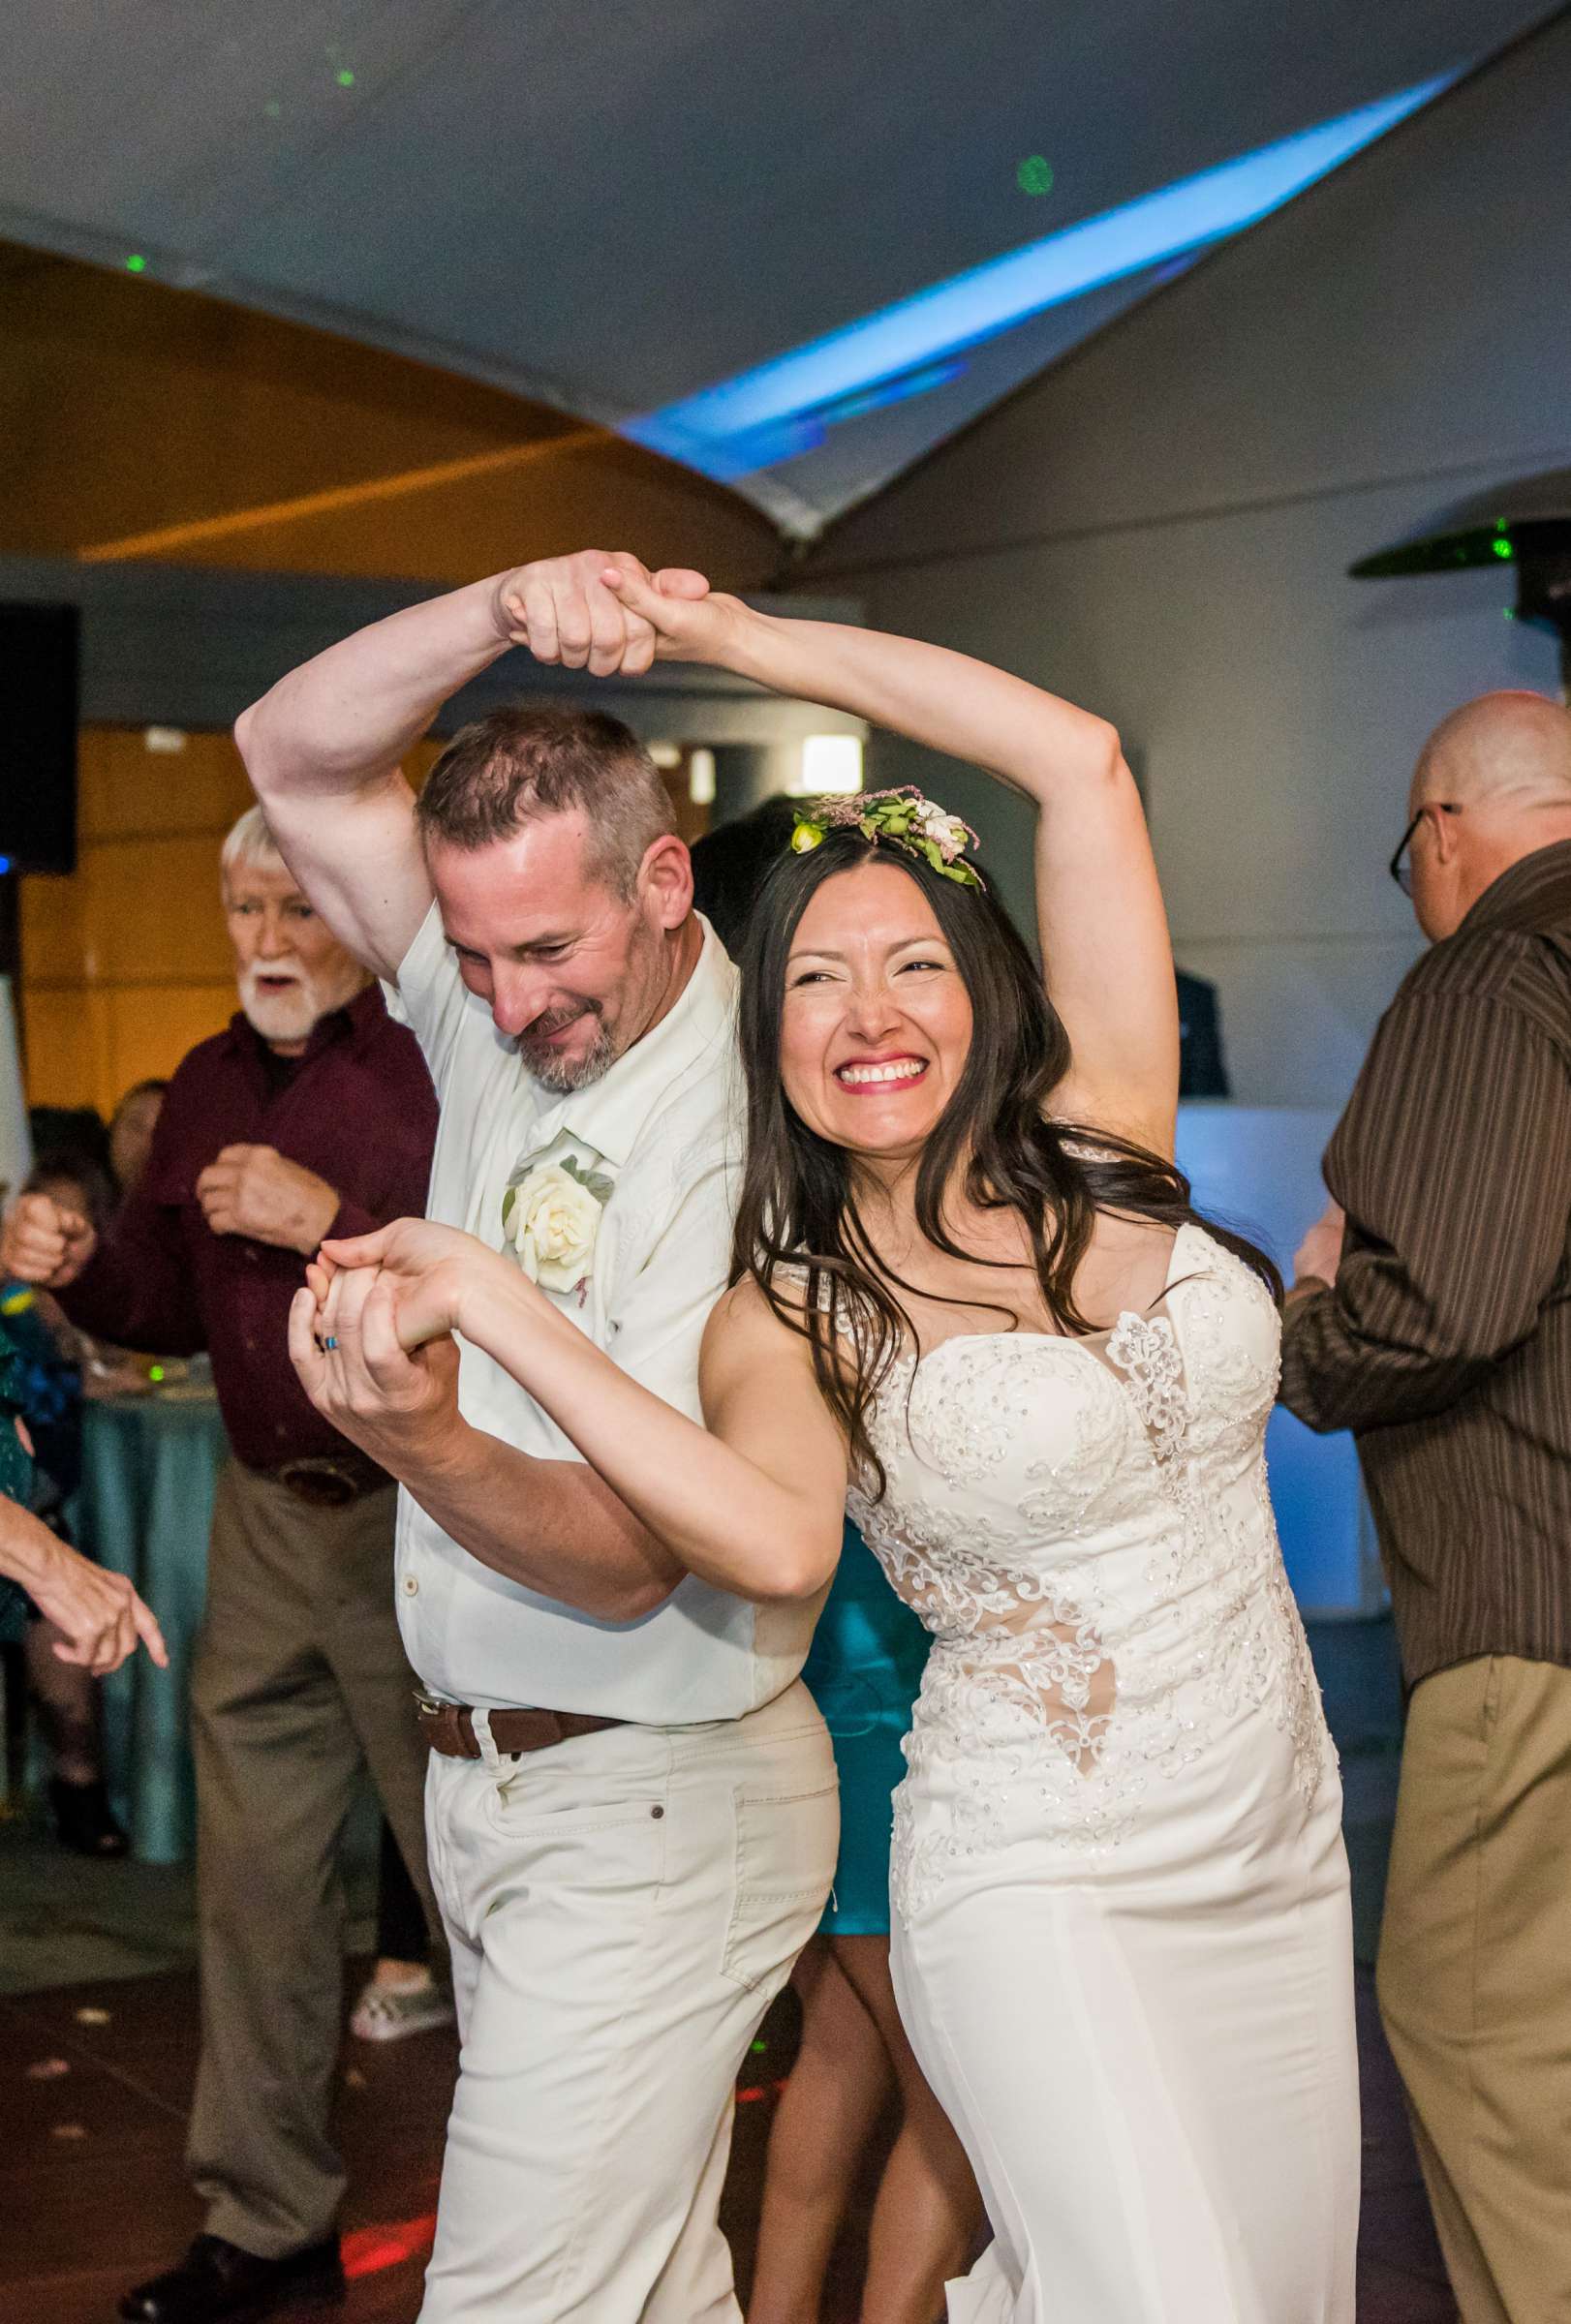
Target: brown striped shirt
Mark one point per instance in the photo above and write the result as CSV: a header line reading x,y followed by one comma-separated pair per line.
x,y
1445,1344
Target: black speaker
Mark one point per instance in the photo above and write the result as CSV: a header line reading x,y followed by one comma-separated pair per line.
x,y
39,664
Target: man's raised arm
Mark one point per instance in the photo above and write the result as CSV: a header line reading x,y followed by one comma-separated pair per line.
x,y
323,748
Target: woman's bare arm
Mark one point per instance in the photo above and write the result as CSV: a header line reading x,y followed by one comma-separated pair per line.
x,y
753,1502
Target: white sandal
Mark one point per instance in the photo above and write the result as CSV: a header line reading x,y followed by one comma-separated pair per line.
x,y
388,2012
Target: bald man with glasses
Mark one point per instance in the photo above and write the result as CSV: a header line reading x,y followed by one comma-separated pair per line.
x,y
1431,1315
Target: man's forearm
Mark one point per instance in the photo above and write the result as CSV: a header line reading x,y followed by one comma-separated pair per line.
x,y
350,715
1339,1372
551,1525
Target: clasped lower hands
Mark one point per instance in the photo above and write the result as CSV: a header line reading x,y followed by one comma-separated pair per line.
x,y
1319,1255
371,1336
607,614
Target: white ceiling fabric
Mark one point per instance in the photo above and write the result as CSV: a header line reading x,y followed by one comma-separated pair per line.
x,y
612,209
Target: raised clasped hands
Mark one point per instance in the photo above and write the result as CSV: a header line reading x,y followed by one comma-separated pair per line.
x,y
607,614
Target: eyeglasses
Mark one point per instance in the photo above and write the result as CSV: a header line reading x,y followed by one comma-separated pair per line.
x,y
1403,872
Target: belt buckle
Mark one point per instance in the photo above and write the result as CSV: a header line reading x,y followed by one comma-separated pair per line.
x,y
452,1734
317,1481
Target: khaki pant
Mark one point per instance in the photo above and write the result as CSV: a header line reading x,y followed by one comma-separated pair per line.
x,y
300,1686
1475,1977
622,1909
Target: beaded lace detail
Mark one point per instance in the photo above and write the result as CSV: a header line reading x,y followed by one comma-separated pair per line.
x,y
1084,1527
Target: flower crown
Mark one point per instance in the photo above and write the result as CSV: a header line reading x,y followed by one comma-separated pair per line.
x,y
905,819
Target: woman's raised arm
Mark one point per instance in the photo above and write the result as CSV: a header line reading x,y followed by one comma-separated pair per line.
x,y
1106,956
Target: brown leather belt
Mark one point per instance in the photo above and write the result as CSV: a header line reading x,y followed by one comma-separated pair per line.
x,y
449,1727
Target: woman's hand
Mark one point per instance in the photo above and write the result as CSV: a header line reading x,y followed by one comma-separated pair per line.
x,y
371,1336
100,1613
687,621
578,611
419,1271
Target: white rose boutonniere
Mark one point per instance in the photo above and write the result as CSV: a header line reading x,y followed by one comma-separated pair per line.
x,y
550,1216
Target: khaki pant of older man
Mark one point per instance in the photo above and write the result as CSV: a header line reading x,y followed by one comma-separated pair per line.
x,y
300,1687
1475,1977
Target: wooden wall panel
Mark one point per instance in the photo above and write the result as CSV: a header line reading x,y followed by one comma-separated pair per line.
x,y
126,965
151,911
143,420
52,911
126,790
61,1059
149,1031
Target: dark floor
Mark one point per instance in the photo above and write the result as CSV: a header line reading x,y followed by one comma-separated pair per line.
x,y
96,2079
98,2050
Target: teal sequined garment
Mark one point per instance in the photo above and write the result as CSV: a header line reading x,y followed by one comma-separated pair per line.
x,y
15,1477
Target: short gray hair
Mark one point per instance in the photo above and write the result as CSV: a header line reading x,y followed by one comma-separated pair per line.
x,y
550,758
250,847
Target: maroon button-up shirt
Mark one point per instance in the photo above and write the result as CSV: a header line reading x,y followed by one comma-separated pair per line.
x,y
358,1110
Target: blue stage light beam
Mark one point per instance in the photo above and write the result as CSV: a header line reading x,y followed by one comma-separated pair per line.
x,y
781,408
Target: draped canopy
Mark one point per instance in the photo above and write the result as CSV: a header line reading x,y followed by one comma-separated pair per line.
x,y
793,246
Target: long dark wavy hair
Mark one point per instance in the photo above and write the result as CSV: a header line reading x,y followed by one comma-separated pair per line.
x,y
799,1196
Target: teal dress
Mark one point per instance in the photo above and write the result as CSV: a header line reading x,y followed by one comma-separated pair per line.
x,y
15,1478
863,1672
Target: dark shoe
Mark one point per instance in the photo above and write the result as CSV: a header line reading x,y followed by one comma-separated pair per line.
x,y
218,2283
83,1819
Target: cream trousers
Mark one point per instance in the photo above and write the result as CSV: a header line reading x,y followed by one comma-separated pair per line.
x,y
621,1911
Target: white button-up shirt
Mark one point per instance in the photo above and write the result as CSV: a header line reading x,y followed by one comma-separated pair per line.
x,y
664,1126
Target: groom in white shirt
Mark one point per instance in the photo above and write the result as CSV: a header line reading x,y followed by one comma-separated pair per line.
x,y
632,1805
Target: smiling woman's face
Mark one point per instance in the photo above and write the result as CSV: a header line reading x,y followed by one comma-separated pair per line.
x,y
875,1026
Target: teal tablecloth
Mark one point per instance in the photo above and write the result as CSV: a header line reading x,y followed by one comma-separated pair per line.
x,y
149,1468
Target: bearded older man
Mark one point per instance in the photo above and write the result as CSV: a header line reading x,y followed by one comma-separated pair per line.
x,y
312,1114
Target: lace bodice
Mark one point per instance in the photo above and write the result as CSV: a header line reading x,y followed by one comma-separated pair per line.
x,y
1084,1526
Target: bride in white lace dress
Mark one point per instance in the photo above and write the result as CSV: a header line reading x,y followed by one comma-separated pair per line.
x,y
1041,1385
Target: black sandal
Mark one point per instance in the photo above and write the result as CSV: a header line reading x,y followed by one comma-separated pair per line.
x,y
84,1821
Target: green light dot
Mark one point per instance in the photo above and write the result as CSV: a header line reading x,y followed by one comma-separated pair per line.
x,y
1510,614
1035,174
758,2048
346,78
155,1371
135,263
1501,548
